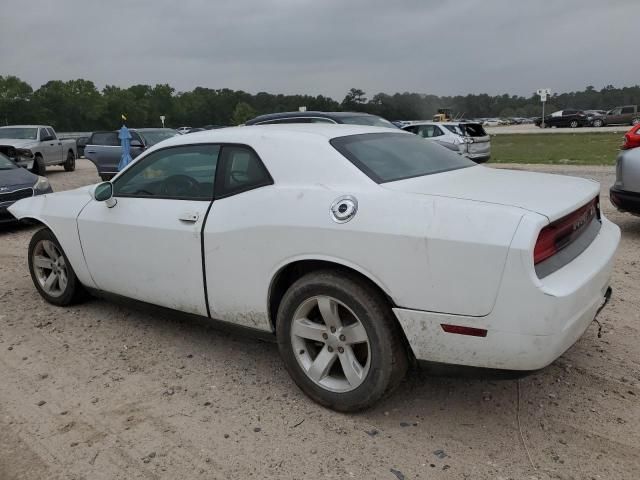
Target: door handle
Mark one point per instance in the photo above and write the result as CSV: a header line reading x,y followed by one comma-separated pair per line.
x,y
189,217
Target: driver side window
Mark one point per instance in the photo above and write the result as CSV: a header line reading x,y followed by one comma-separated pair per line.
x,y
181,173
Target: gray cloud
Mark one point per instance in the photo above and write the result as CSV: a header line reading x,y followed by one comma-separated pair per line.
x,y
327,47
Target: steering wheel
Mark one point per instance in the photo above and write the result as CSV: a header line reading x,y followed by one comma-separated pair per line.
x,y
180,185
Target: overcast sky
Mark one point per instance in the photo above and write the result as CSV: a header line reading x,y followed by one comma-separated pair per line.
x,y
325,46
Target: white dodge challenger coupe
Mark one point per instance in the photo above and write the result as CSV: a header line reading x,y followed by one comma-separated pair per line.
x,y
360,248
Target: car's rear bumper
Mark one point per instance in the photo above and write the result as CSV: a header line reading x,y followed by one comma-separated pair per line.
x,y
529,327
625,201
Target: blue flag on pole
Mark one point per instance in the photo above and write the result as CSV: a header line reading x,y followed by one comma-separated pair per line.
x,y
125,142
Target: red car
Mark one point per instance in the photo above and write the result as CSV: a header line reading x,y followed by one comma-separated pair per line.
x,y
632,138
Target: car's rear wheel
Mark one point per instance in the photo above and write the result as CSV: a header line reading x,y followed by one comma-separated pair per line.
x,y
51,271
70,163
39,168
635,121
574,124
340,341
598,123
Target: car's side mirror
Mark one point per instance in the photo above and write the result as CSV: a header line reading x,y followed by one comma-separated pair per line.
x,y
137,144
104,193
46,138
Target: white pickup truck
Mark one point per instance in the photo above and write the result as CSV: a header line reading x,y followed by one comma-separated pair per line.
x,y
37,146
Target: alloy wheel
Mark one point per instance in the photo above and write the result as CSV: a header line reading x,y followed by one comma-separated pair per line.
x,y
331,344
50,268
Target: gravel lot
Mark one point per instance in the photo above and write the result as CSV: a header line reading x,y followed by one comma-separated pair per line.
x,y
114,391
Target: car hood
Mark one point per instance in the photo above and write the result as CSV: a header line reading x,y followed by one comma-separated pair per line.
x,y
67,204
553,196
17,142
17,177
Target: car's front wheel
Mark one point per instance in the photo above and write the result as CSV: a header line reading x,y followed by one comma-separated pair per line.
x,y
51,271
574,124
340,341
598,123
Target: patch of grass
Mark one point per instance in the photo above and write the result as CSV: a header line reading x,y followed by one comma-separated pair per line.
x,y
556,148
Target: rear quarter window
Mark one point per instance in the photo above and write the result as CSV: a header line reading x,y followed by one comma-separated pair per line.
x,y
387,157
104,138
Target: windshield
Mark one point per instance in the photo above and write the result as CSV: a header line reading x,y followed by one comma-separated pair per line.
x,y
387,157
19,133
370,120
6,164
152,137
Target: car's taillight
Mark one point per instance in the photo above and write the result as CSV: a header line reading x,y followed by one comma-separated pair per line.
x,y
562,232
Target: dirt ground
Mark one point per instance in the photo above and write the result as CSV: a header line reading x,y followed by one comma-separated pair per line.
x,y
113,391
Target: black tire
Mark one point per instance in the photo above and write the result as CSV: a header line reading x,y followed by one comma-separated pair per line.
x,y
574,124
635,121
598,123
39,168
70,163
73,291
388,357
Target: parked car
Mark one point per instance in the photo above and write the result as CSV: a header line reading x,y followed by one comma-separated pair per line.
x,y
17,183
37,146
632,138
564,118
625,193
349,118
104,150
491,122
340,241
595,118
624,115
468,139
183,130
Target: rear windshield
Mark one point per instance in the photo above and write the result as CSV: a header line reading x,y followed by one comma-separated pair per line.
x,y
155,136
467,129
387,157
369,120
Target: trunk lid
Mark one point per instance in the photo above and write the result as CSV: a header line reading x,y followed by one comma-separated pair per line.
x,y
553,196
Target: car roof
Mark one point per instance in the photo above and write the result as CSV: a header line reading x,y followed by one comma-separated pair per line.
x,y
26,126
246,134
307,114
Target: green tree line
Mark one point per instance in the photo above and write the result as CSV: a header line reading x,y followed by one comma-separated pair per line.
x,y
78,105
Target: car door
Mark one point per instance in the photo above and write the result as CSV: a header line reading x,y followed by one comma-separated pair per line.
x,y
567,117
46,145
55,148
105,152
627,114
235,285
614,116
148,246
